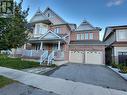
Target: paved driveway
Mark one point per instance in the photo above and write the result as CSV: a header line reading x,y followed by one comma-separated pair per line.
x,y
50,85
91,74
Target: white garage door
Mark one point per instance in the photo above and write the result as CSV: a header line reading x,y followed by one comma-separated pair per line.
x,y
93,57
76,56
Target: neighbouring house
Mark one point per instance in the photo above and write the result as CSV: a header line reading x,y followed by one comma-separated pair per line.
x,y
54,39
116,39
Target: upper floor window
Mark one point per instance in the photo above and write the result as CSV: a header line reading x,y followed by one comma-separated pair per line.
x,y
40,28
80,36
57,30
90,35
37,29
86,36
122,34
48,14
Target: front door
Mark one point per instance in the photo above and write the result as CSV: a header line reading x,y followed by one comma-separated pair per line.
x,y
49,47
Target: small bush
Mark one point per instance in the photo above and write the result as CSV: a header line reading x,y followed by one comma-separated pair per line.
x,y
123,68
114,65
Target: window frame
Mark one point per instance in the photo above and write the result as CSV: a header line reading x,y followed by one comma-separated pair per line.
x,y
57,30
86,36
91,36
37,29
78,37
82,36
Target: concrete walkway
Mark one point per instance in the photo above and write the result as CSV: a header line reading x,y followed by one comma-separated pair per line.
x,y
56,85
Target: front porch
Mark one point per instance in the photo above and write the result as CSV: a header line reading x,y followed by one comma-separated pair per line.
x,y
48,47
45,45
42,51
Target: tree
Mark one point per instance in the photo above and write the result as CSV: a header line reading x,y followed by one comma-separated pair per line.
x,y
14,29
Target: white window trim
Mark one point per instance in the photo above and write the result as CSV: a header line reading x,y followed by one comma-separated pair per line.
x,y
82,36
86,36
78,37
57,30
91,36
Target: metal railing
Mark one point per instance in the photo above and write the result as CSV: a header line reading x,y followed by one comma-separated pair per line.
x,y
51,57
43,57
58,55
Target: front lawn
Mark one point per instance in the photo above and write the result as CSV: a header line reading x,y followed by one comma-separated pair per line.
x,y
16,63
5,81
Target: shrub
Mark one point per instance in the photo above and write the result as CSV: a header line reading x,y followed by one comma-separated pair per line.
x,y
123,68
114,65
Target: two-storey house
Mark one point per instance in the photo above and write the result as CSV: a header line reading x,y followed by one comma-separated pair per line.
x,y
116,39
85,46
64,41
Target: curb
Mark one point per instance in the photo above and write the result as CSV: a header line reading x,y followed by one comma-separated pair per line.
x,y
53,70
117,73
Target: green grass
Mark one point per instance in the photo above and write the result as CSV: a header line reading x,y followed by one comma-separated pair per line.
x,y
5,81
16,63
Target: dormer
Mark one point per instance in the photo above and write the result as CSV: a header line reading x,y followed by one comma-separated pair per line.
x,y
40,17
53,17
85,31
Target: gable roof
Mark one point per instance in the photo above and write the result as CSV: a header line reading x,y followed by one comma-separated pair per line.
x,y
85,25
51,35
39,16
54,13
112,29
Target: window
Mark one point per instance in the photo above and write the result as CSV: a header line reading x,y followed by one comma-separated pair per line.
x,y
86,36
78,36
82,36
48,15
57,30
37,29
91,36
122,34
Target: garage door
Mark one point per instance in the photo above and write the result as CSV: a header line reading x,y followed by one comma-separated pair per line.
x,y
93,57
76,56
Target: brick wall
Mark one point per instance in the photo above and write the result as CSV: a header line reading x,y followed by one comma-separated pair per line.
x,y
95,35
64,29
88,48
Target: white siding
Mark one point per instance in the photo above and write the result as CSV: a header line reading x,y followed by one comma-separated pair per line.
x,y
119,49
121,35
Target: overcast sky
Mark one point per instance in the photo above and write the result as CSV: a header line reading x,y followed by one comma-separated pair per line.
x,y
100,13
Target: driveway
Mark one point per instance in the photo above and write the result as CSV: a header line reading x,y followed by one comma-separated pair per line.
x,y
53,86
91,74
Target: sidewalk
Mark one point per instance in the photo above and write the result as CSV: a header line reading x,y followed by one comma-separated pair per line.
x,y
56,85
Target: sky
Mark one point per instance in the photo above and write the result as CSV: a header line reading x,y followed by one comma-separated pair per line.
x,y
100,13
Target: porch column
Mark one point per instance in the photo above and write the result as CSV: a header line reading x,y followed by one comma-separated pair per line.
x,y
58,45
24,46
41,47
